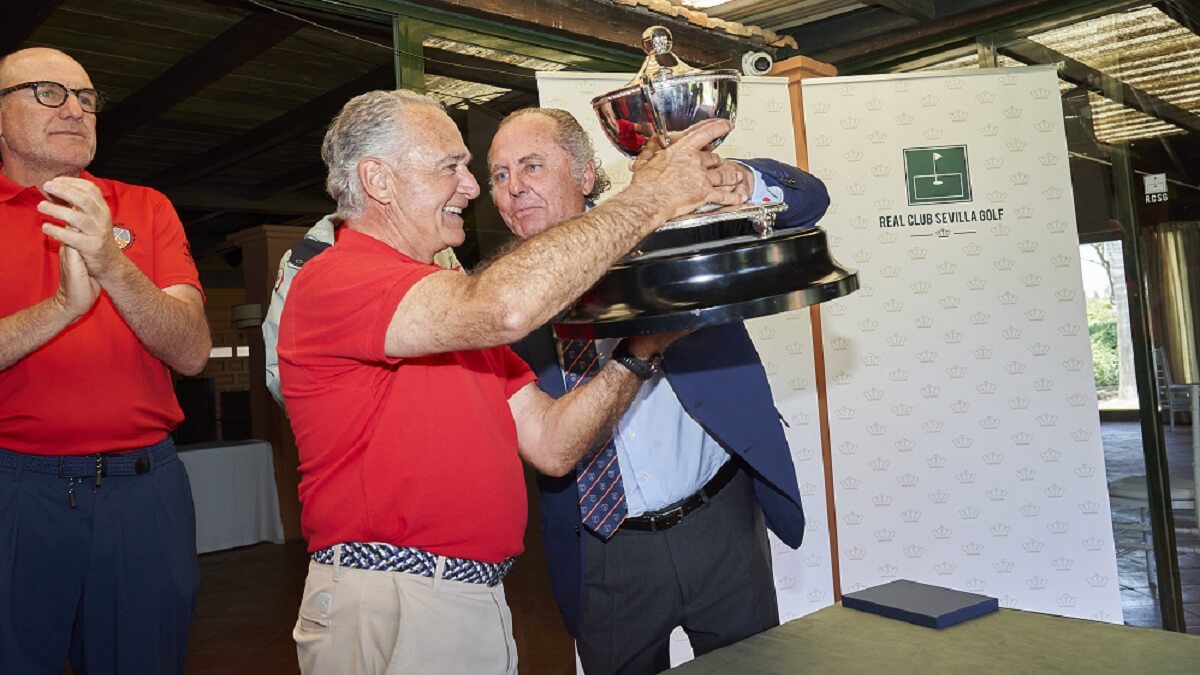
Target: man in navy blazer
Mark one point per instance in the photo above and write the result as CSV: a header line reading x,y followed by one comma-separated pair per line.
x,y
702,453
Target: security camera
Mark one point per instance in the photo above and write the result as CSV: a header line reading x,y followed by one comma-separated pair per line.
x,y
757,63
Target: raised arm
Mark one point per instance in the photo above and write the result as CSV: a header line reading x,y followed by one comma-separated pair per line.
x,y
528,285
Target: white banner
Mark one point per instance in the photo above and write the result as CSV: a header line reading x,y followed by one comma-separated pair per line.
x,y
966,439
803,578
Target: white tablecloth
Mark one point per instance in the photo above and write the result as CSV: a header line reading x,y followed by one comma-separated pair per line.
x,y
233,486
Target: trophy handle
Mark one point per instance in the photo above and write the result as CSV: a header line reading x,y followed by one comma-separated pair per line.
x,y
660,125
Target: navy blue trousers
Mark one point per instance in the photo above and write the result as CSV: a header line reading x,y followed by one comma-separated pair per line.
x,y
108,583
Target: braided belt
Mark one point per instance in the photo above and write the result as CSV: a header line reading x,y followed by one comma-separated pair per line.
x,y
388,558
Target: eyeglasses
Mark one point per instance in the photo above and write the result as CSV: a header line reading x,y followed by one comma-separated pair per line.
x,y
54,95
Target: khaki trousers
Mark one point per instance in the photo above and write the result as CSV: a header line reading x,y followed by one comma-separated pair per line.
x,y
364,622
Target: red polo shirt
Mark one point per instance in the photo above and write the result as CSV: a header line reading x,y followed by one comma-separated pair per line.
x,y
93,387
411,452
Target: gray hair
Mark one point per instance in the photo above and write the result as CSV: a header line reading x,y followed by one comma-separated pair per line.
x,y
571,137
369,125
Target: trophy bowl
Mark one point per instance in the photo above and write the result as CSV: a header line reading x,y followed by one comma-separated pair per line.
x,y
631,116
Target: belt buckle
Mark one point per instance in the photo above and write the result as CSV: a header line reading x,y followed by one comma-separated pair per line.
x,y
666,521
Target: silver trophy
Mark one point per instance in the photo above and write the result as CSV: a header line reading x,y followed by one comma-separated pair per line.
x,y
666,97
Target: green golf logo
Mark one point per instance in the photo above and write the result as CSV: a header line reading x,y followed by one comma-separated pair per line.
x,y
937,175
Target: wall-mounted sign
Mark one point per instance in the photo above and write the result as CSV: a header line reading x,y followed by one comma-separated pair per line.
x,y
1156,187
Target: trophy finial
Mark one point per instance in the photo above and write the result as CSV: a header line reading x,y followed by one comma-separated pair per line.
x,y
657,41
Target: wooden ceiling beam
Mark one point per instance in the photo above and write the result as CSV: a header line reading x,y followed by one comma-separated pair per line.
x,y
21,20
477,69
223,54
289,126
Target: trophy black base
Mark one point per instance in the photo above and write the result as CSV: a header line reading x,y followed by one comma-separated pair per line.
x,y
680,284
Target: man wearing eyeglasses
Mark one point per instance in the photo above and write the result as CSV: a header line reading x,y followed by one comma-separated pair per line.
x,y
100,300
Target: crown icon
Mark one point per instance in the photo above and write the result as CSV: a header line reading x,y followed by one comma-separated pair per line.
x,y
983,353
972,549
1085,471
936,462
993,458
1031,280
766,333
1023,438
786,583
985,97
845,413
1055,491
887,571
1030,510
884,535
881,500
1012,332
933,426
1001,230
1014,368
947,267
858,222
954,83
989,423
1060,260
979,318
1035,583
1041,93
750,124
1058,527
896,340
976,284
856,553
889,272
944,568
853,156
908,480
877,137
949,302
999,530
1047,420
1048,159
1019,178
929,100
966,477
986,387
905,445
956,372
1015,145
1062,564
1077,400
815,595
1045,126
962,442
839,343
1052,193
942,532
774,106
842,378
958,116
904,119
813,560
914,551
926,356
1002,566
900,86
873,394
917,253
943,233
1033,546
1012,112
993,163
952,337
939,497
1051,455
960,406
972,249
846,90
801,419
1027,246
865,291
932,133
1089,508
1035,315
798,383
996,196
770,368
976,585
1081,436
1018,403
853,518
850,483
887,237
874,104
794,348
969,512
1068,329
1008,298
876,429
848,448
920,287
1072,364
822,141
989,129
893,305
803,454
1043,384
870,359
775,140
996,494
902,410
856,189
1004,264
808,490
1097,580
909,515
867,325
1093,544
1008,80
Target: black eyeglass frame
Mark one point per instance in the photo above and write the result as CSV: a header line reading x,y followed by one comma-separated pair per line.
x,y
101,99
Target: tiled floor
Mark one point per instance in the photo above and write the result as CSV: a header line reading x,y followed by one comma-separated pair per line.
x,y
1139,594
248,597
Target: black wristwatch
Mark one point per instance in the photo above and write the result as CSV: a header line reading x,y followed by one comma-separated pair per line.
x,y
644,369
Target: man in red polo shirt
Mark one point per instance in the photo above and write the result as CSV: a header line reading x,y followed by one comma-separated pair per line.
x,y
99,299
410,417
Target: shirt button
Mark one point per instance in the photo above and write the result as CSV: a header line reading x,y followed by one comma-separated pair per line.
x,y
633,434
645,476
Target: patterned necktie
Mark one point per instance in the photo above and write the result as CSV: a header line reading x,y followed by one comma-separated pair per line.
x,y
602,506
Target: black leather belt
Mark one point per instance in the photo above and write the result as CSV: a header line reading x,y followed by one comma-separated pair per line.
x,y
668,517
